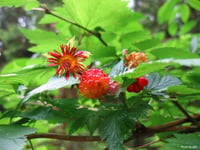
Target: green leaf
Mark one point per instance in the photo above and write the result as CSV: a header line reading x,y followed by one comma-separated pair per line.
x,y
147,44
31,4
113,129
173,15
11,3
183,90
131,38
45,113
192,77
91,14
20,64
135,103
12,137
188,26
172,29
81,120
157,84
104,52
194,4
184,12
165,10
52,84
119,68
66,105
18,3
45,41
12,79
172,52
93,122
184,141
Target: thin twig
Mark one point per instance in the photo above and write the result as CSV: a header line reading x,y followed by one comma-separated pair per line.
x,y
48,11
31,144
176,103
170,126
64,137
153,142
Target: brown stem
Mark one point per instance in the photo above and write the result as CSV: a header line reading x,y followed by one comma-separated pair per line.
x,y
48,11
185,113
64,137
150,143
170,126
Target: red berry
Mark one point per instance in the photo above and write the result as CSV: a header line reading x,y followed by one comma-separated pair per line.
x,y
142,81
94,83
130,88
134,87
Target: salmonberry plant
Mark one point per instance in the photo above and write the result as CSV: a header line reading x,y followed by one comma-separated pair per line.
x,y
100,76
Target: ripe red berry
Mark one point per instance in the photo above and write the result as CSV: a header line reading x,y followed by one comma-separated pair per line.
x,y
138,85
94,84
134,87
130,88
142,81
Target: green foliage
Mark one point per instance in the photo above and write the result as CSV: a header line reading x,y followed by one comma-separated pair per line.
x,y
172,52
52,84
117,69
45,41
13,3
31,96
184,141
165,10
194,4
91,17
12,137
173,27
157,84
185,12
111,129
187,27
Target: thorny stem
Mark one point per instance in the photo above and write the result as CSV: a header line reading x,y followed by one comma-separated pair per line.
x,y
97,34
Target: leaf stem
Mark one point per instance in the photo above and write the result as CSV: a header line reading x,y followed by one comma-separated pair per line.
x,y
31,144
122,97
97,34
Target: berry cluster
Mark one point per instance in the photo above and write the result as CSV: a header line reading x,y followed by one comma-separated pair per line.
x,y
94,83
138,85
